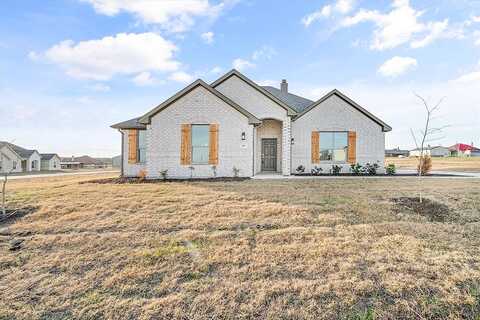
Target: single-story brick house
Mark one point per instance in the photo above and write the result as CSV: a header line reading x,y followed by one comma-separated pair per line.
x,y
22,160
50,161
237,127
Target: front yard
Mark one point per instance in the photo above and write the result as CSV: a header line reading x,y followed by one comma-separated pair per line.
x,y
302,249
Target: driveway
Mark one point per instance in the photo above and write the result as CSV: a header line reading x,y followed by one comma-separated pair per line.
x,y
58,174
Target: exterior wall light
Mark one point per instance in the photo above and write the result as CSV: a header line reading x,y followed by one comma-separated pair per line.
x,y
243,136
292,141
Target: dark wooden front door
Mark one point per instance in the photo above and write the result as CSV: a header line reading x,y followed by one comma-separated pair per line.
x,y
269,154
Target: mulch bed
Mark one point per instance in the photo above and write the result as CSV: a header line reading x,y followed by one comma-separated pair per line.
x,y
375,175
434,210
145,181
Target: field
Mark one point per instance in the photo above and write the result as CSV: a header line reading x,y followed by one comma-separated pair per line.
x,y
282,249
440,164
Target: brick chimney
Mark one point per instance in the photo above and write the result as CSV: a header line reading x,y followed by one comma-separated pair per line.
x,y
284,86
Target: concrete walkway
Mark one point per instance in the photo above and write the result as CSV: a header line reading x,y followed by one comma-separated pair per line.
x,y
58,174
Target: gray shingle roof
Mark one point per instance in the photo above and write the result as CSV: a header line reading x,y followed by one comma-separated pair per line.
x,y
24,153
295,102
130,124
47,156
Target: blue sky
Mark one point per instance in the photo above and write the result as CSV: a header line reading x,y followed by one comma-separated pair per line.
x,y
69,69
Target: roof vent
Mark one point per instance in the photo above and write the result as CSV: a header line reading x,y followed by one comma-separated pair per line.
x,y
284,86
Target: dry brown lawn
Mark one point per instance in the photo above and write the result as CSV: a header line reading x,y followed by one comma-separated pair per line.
x,y
295,249
440,164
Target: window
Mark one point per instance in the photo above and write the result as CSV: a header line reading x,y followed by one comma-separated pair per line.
x,y
142,146
333,146
200,143
14,165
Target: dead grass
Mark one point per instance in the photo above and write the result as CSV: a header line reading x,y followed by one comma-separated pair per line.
x,y
298,249
439,164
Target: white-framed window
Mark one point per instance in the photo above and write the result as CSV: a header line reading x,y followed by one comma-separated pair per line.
x,y
142,146
200,143
333,146
14,165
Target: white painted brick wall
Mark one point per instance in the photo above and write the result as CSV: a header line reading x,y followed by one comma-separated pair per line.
x,y
199,107
130,169
286,146
7,157
334,114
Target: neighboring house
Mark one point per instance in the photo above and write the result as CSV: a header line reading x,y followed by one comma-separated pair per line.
x,y
436,151
397,153
82,162
464,150
10,161
117,161
30,159
244,129
50,162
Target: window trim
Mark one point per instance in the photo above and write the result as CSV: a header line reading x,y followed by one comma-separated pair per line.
x,y
191,143
320,149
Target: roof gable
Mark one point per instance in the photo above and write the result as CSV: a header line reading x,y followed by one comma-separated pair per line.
x,y
21,152
147,117
385,127
233,72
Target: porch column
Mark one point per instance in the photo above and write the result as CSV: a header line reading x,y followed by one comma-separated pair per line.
x,y
286,146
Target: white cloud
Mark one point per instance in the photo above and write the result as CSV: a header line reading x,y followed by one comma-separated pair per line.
x,y
143,79
265,52
121,54
437,30
397,66
32,55
340,6
401,25
181,77
468,78
100,87
216,70
241,64
208,37
171,15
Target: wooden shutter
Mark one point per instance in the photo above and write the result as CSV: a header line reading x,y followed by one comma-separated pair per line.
x,y
186,145
352,147
315,147
213,145
132,146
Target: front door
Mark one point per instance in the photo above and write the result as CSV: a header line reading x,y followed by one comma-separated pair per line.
x,y
269,154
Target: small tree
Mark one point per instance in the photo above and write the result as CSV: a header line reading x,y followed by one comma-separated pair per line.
x,y
426,135
4,191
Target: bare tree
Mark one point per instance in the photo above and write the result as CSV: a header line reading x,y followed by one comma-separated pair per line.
x,y
427,134
4,192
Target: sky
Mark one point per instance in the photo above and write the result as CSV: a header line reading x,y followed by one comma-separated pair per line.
x,y
69,69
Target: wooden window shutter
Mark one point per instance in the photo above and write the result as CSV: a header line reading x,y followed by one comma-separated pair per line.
x,y
315,147
186,145
352,147
213,145
132,146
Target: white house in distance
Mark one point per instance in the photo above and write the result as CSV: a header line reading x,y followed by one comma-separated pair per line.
x,y
435,151
50,162
236,127
29,159
10,161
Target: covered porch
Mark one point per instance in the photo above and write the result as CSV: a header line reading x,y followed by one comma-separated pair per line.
x,y
272,145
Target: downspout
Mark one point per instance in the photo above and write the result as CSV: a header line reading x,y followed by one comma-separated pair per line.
x,y
121,156
253,150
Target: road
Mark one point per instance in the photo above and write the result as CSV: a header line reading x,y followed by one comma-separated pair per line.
x,y
59,174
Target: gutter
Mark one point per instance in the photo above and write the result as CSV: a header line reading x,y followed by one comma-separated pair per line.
x,y
121,155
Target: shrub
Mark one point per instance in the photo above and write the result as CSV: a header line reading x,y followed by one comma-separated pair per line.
x,y
163,174
300,169
356,169
371,169
316,171
391,169
236,172
142,175
426,167
336,169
